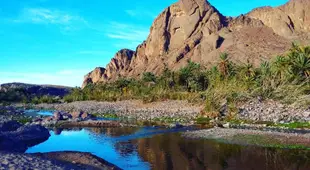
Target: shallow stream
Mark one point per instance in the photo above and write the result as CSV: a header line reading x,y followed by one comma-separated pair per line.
x,y
159,149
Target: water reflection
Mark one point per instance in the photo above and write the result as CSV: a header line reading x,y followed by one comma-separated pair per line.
x,y
173,152
34,113
137,148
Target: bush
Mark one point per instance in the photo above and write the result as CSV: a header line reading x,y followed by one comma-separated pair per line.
x,y
285,78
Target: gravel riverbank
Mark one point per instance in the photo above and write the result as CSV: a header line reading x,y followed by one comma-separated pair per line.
x,y
53,161
255,110
273,111
177,110
252,137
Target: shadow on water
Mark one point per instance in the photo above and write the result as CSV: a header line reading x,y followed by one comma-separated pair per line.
x,y
160,149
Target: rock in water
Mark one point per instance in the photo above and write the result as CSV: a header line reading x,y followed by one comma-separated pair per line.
x,y
9,126
195,30
58,116
22,138
10,145
77,114
30,135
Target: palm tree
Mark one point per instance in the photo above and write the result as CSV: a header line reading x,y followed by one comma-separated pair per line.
x,y
296,49
300,66
280,67
265,69
247,71
224,64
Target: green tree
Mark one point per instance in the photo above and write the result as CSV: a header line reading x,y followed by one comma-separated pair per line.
x,y
247,72
300,66
149,77
188,76
224,64
280,67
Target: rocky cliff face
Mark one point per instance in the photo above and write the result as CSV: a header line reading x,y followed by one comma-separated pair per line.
x,y
195,30
289,20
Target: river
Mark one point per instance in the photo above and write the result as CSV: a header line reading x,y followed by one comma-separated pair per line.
x,y
156,148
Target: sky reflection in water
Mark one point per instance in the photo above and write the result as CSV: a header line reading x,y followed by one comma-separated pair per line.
x,y
159,149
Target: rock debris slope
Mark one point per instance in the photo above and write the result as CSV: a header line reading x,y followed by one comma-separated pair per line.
x,y
195,30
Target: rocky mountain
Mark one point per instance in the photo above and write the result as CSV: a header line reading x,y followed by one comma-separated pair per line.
x,y
195,30
37,90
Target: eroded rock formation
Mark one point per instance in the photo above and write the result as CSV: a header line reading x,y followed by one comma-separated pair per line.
x,y
195,30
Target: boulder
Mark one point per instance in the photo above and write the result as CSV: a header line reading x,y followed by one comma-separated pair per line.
x,y
22,138
85,116
80,115
58,116
77,114
66,116
9,126
29,135
10,145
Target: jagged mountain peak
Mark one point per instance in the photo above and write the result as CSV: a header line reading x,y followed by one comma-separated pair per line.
x,y
195,30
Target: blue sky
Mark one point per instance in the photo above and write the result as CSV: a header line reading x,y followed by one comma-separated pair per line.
x,y
59,41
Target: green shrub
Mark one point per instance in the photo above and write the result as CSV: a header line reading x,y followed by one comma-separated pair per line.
x,y
285,78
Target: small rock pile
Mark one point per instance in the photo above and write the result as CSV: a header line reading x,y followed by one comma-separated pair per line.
x,y
63,116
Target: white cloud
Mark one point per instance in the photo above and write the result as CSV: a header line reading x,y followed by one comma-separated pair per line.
x,y
127,32
131,13
63,77
65,20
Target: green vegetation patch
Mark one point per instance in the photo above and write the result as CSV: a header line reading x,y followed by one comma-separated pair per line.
x,y
295,125
202,120
285,78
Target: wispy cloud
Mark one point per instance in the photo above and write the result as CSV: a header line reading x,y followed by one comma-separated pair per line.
x,y
71,78
127,32
139,13
65,20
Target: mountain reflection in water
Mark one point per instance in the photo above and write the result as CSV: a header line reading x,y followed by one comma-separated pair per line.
x,y
148,148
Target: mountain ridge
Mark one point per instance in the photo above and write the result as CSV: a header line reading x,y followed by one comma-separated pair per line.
x,y
195,30
35,89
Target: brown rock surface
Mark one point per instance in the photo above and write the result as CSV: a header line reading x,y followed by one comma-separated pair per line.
x,y
79,159
195,30
289,20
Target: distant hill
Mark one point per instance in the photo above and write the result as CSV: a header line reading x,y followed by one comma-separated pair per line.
x,y
37,90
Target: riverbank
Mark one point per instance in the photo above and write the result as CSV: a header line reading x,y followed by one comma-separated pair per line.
x,y
254,137
81,114
184,112
170,111
54,161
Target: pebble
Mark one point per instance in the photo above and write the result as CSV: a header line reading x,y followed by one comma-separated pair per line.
x,y
272,111
176,110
